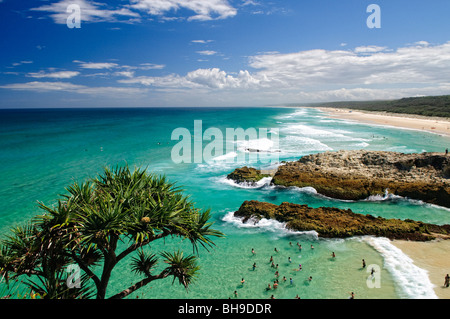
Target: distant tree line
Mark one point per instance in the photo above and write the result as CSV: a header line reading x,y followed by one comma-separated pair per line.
x,y
436,106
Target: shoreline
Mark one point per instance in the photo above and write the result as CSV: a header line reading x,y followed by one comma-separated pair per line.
x,y
440,126
431,256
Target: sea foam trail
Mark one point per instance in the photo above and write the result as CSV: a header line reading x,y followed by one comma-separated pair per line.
x,y
413,282
259,184
266,225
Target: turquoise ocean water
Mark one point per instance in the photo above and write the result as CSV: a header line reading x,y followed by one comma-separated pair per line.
x,y
43,151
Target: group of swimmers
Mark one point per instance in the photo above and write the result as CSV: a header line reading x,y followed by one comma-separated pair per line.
x,y
276,282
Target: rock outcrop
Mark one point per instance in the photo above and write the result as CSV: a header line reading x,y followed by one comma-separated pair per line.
x,y
355,175
332,222
246,175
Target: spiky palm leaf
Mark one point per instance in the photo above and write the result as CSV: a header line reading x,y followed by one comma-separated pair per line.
x,y
185,269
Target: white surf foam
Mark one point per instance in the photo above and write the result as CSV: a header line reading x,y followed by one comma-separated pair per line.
x,y
225,156
259,184
261,144
413,282
266,225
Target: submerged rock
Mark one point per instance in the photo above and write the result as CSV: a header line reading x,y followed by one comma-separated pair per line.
x,y
330,222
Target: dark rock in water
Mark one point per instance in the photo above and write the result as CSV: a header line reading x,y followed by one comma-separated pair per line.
x,y
330,222
246,175
355,175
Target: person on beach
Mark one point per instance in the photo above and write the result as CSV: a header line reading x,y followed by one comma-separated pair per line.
x,y
254,266
291,281
289,260
363,263
333,255
253,251
275,285
269,287
235,294
447,281
352,295
242,281
276,250
446,151
271,259
312,247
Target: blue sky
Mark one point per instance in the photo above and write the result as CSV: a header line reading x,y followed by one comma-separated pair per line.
x,y
142,53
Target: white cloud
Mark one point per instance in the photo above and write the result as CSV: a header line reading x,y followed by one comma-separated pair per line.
x,y
207,52
203,9
365,72
413,64
201,78
151,66
21,62
202,41
369,72
90,11
369,49
38,86
54,75
136,10
96,65
127,74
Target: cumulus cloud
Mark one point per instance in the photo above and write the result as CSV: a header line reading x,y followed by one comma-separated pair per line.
x,y
363,65
213,78
369,72
203,10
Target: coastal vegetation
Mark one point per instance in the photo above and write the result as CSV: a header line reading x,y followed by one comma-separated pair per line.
x,y
99,223
433,106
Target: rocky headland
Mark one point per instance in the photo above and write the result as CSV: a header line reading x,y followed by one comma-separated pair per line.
x,y
331,222
356,175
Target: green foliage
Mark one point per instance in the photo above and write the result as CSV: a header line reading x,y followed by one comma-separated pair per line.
x,y
86,225
434,106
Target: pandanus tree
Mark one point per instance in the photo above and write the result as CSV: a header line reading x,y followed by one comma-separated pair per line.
x,y
98,223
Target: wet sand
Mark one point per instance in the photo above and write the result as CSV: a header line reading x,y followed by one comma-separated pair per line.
x,y
434,257
434,125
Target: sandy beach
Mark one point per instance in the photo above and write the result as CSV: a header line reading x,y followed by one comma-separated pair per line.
x,y
433,257
434,125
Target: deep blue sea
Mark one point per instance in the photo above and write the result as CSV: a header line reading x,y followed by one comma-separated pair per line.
x,y
43,151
